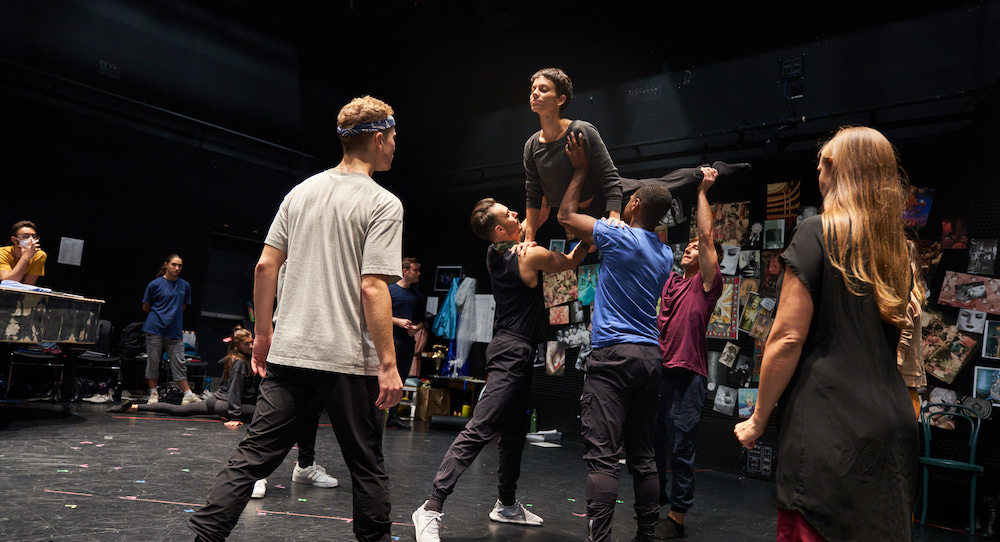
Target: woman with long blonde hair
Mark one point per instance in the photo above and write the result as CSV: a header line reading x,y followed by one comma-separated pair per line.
x,y
847,440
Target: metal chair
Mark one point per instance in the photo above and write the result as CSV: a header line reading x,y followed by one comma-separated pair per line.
x,y
964,467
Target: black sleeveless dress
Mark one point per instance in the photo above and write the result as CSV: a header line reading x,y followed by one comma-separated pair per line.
x,y
848,444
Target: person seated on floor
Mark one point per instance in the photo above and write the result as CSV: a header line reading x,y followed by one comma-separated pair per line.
x,y
236,400
24,260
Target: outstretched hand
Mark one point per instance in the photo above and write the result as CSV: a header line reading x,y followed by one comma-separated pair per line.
x,y
710,175
575,151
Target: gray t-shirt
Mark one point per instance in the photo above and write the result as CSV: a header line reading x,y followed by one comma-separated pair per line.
x,y
334,227
548,170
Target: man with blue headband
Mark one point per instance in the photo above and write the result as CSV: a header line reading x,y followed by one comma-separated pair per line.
x,y
339,235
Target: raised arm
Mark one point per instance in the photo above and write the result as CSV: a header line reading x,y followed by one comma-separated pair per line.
x,y
378,315
540,259
708,258
781,355
579,224
265,287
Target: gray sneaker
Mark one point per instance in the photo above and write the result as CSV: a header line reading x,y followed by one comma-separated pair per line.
x,y
515,513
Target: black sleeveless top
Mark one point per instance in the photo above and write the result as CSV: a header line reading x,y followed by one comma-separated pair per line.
x,y
520,309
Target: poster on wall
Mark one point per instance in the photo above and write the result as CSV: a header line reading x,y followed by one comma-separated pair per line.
x,y
938,415
559,288
774,234
731,222
918,206
971,321
970,292
722,322
929,253
748,286
574,335
946,349
558,315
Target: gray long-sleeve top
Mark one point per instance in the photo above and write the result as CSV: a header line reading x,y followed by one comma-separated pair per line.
x,y
548,170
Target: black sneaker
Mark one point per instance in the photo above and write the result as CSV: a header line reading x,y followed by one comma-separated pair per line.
x,y
668,529
121,408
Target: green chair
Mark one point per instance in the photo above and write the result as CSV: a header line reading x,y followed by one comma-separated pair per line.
x,y
963,468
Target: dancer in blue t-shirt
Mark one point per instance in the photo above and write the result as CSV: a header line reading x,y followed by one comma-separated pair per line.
x,y
621,393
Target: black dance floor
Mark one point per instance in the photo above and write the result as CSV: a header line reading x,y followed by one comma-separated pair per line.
x,y
89,475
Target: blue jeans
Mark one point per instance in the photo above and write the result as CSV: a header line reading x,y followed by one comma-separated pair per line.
x,y
682,398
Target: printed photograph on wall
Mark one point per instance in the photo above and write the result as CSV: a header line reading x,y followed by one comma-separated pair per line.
x,y
725,400
722,322
782,203
678,250
576,312
557,245
749,265
574,335
970,292
559,288
747,402
771,272
971,321
729,259
729,353
756,235
930,257
946,350
444,275
939,416
761,327
774,234
750,311
982,256
559,315
918,206
587,282
953,233
748,285
758,357
991,340
986,384
555,358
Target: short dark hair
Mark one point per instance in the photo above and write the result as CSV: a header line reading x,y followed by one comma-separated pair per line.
x,y
562,82
22,224
656,202
483,219
407,262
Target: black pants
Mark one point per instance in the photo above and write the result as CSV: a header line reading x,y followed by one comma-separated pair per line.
x,y
618,413
289,399
502,410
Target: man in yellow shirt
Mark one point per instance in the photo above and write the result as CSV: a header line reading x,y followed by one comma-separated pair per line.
x,y
24,260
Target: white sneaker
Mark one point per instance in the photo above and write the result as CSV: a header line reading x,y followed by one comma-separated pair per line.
x,y
104,398
313,474
190,397
259,488
154,398
515,513
426,524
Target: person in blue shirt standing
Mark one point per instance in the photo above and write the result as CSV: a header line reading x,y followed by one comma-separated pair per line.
x,y
164,301
620,396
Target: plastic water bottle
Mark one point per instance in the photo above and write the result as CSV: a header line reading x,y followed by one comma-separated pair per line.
x,y
534,422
